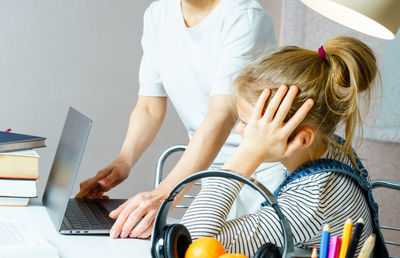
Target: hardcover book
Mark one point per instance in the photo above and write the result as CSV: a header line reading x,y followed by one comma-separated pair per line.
x,y
19,164
18,188
15,141
14,201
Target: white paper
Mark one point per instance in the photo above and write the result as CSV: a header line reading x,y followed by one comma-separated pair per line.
x,y
19,239
30,153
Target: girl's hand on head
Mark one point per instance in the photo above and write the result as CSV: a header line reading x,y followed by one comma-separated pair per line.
x,y
266,135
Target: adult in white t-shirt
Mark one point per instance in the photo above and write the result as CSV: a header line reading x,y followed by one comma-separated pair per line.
x,y
192,51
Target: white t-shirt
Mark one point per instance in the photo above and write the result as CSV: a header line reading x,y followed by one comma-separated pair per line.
x,y
191,64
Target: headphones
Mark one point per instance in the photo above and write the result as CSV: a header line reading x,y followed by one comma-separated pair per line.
x,y
172,241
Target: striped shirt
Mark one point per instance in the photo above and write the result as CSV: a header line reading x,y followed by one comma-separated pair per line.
x,y
308,203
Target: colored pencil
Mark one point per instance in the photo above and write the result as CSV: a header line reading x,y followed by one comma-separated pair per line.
x,y
358,227
314,252
324,245
334,247
347,229
368,246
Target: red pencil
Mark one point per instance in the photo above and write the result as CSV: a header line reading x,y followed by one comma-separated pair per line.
x,y
314,252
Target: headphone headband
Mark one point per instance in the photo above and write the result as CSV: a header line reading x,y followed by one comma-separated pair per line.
x,y
160,221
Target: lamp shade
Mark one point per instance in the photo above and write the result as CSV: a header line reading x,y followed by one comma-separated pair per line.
x,y
378,18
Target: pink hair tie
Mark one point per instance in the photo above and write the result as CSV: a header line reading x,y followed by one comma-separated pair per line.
x,y
322,54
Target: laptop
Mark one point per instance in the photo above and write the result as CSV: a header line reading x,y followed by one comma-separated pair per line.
x,y
74,216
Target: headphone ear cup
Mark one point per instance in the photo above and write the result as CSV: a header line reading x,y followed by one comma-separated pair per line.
x,y
268,250
177,240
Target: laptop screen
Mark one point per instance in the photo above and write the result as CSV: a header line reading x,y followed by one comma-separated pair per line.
x,y
65,165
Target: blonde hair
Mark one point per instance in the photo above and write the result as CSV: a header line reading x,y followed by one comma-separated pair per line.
x,y
333,83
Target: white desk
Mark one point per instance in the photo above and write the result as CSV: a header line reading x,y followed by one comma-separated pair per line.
x,y
78,246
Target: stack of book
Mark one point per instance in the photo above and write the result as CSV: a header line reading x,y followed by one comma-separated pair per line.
x,y
19,166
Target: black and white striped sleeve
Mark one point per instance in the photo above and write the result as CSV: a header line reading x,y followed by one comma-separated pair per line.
x,y
207,214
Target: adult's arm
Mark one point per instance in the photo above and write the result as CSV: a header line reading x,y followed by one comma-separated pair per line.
x,y
144,123
199,154
145,120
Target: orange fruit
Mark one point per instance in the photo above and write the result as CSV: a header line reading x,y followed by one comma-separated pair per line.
x,y
205,247
233,256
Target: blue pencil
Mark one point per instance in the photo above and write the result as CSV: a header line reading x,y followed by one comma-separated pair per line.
x,y
324,245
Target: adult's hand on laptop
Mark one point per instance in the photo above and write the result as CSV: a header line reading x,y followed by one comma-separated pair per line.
x,y
135,217
104,180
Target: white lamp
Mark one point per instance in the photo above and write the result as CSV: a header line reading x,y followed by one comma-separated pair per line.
x,y
378,18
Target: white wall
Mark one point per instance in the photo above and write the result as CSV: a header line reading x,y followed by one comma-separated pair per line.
x,y
83,53
274,8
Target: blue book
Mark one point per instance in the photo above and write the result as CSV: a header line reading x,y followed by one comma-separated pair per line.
x,y
15,141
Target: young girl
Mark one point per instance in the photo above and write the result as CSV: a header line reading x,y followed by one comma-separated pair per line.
x,y
296,128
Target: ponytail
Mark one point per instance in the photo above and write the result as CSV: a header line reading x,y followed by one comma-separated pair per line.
x,y
352,70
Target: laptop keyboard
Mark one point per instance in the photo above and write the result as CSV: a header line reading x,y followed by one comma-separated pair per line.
x,y
87,214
